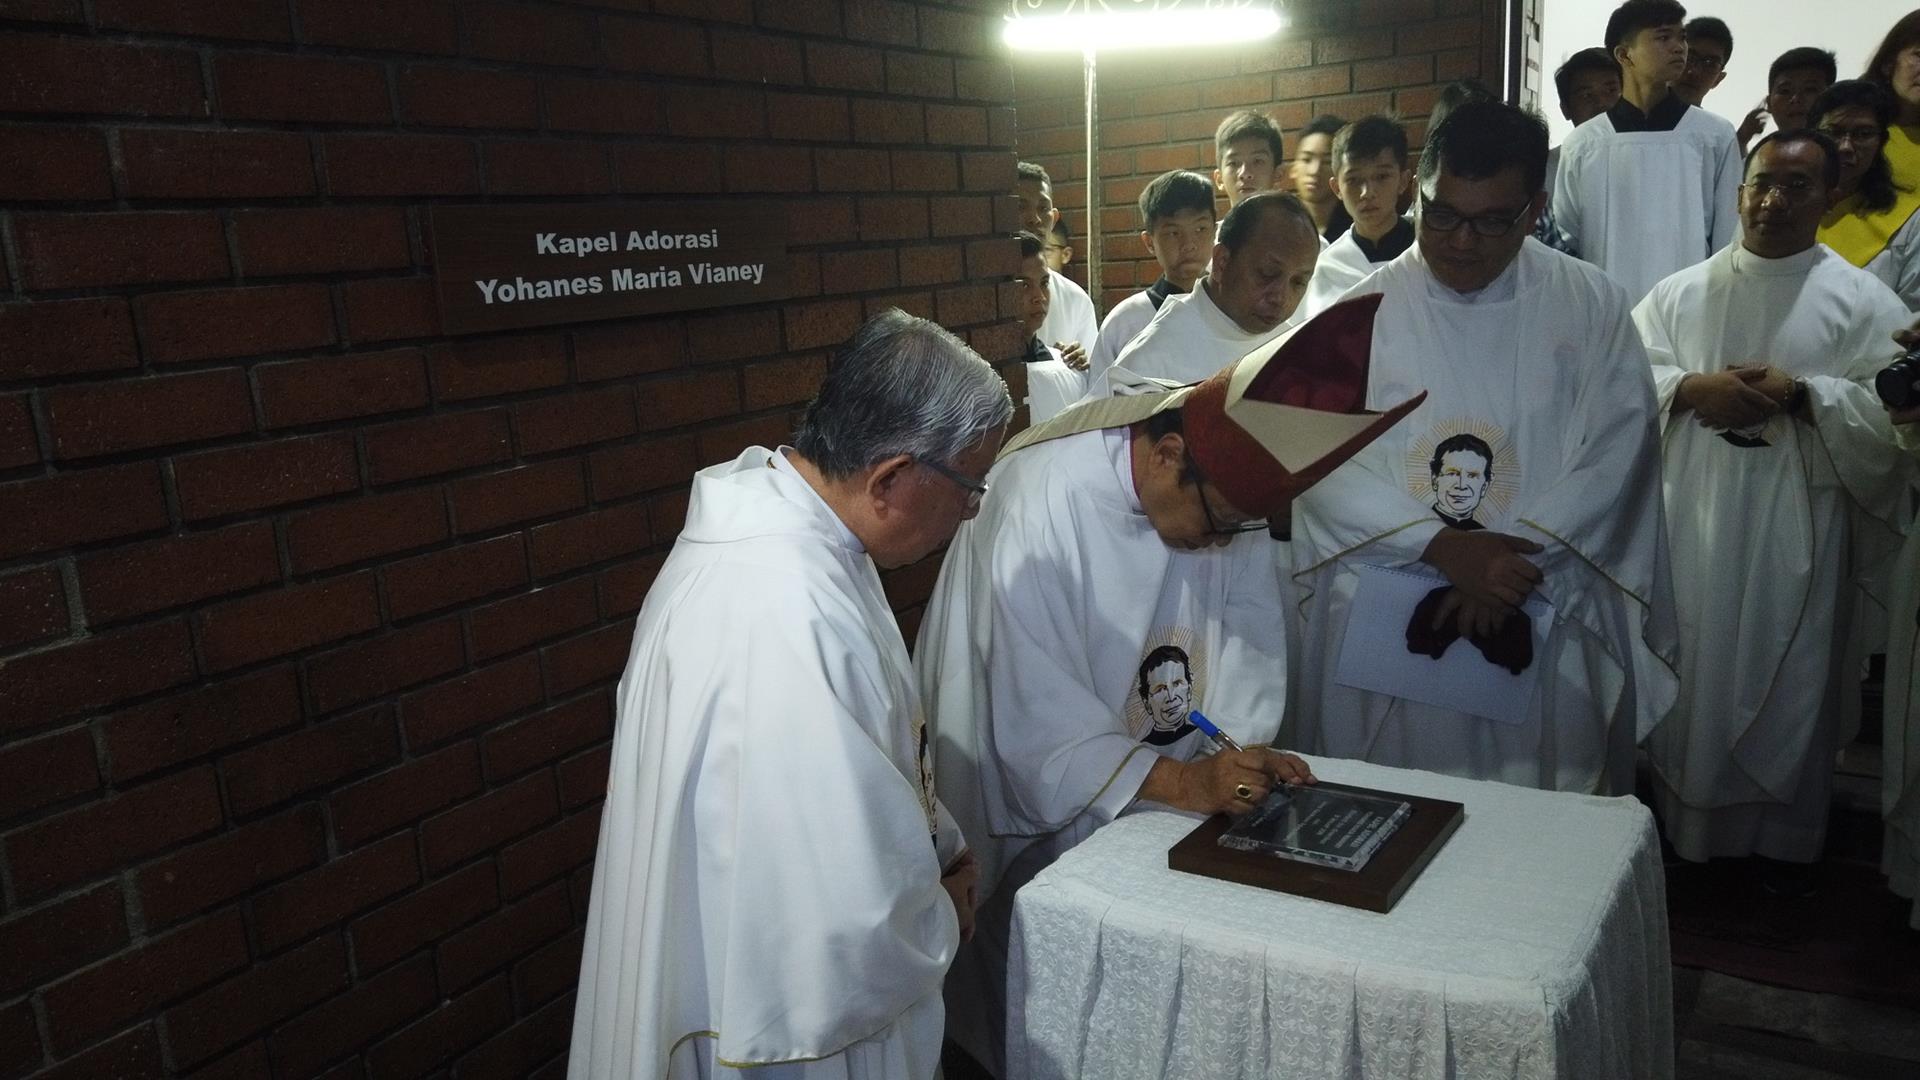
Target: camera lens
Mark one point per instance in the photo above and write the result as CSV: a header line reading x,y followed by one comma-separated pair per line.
x,y
1899,383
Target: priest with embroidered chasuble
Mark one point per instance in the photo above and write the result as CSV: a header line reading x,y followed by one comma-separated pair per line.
x,y
1518,507
1121,579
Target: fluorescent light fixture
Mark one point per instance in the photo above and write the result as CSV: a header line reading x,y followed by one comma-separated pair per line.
x,y
1164,25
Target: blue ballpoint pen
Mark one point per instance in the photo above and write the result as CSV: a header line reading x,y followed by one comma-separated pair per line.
x,y
1220,738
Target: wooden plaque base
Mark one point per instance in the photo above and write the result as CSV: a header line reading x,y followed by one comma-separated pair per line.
x,y
1375,887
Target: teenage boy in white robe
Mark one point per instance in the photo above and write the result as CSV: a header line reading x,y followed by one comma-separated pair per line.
x,y
1051,384
1370,175
1312,175
1532,353
1260,269
1116,583
1648,187
1782,477
1177,229
1247,151
1072,325
777,891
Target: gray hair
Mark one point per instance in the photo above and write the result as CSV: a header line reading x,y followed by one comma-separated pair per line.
x,y
901,385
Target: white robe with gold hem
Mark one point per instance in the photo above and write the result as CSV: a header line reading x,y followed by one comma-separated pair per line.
x,y
1543,365
1764,542
1031,664
766,897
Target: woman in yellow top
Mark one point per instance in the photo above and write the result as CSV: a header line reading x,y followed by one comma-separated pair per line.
x,y
1874,223
1896,66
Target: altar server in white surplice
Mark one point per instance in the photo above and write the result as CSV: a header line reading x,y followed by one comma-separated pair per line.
x,y
1647,187
1532,469
1176,227
1782,478
1072,324
1370,174
1051,384
777,891
1261,265
1114,585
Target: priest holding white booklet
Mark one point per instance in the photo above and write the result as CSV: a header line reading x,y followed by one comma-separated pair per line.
x,y
1530,476
1121,578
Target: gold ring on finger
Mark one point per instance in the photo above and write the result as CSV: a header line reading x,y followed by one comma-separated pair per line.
x,y
1243,792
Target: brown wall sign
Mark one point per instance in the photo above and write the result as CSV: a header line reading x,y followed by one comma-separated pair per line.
x,y
499,267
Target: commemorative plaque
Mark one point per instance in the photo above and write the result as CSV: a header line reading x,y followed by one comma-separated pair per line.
x,y
501,267
1347,845
1318,824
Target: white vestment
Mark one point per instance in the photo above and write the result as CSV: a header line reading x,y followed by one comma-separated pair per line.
x,y
1763,542
1188,340
1898,264
1900,726
1124,323
1340,267
766,896
1055,607
1543,366
1642,205
1070,313
1052,386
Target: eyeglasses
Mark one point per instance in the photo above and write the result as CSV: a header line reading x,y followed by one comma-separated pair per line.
x,y
1793,191
1704,62
1214,528
1488,225
1855,136
976,490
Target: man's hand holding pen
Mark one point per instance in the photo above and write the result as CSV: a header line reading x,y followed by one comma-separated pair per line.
x,y
1233,781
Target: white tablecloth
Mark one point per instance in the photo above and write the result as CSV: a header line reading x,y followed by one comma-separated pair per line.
x,y
1534,945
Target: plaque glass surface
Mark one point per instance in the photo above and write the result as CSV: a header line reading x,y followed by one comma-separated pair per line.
x,y
1341,828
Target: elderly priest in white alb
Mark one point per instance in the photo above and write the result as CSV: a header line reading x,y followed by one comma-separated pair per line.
x,y
777,891
1531,472
1262,263
1784,485
1116,583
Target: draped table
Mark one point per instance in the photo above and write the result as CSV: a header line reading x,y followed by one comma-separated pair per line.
x,y
1534,945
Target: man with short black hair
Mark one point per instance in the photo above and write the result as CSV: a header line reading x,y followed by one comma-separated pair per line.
x,y
1177,228
776,889
1312,173
1051,384
1533,354
1071,325
1260,270
1709,47
1247,149
1784,487
1057,246
1588,84
1371,174
1648,187
1794,79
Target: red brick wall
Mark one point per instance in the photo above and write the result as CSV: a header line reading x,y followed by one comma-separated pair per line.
x,y
1158,110
310,613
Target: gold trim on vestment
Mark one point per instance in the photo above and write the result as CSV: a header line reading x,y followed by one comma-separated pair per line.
x,y
718,1060
1637,598
1097,414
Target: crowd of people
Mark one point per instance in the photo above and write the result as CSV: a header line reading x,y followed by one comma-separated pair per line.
x,y
1603,428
